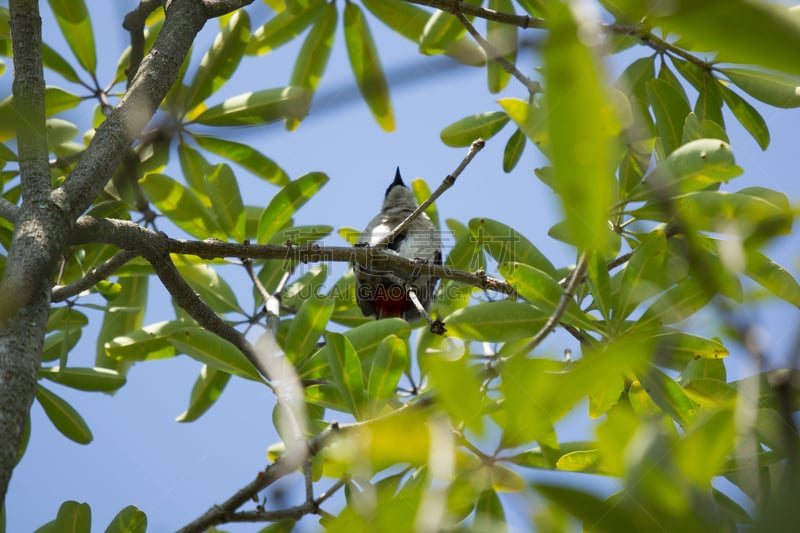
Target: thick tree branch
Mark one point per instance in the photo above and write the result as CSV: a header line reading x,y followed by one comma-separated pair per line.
x,y
155,248
8,210
157,73
217,8
127,235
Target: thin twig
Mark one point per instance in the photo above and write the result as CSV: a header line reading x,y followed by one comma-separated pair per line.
x,y
493,53
450,180
458,6
8,210
96,274
552,321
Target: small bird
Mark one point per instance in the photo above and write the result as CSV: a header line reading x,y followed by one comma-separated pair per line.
x,y
382,292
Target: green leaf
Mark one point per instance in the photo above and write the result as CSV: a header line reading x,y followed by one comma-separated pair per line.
x,y
385,371
703,451
286,202
410,22
541,290
742,31
206,390
283,27
59,132
747,116
52,60
772,277
63,416
346,373
579,124
441,30
59,343
73,19
670,109
677,303
513,150
73,517
256,108
422,192
773,89
458,389
57,100
87,379
505,320
367,66
602,515
482,125
245,156
530,119
307,326
505,244
128,520
489,512
223,189
313,58
669,396
195,167
643,267
181,205
213,350
680,348
694,166
221,59
503,39
210,286
121,321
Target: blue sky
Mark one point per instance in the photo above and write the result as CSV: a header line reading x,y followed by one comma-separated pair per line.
x,y
174,472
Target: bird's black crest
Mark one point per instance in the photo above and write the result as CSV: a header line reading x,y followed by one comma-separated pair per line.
x,y
398,181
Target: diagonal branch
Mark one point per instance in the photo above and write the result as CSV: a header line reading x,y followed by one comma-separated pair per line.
x,y
93,276
492,53
450,180
575,279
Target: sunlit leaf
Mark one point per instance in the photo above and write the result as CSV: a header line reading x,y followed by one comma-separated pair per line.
x,y
87,379
346,373
670,109
773,89
581,139
283,27
367,66
459,389
531,120
307,327
482,125
73,517
205,392
246,156
669,396
181,205
254,108
128,520
505,320
226,201
505,244
221,59
213,350
747,116
73,19
286,202
63,416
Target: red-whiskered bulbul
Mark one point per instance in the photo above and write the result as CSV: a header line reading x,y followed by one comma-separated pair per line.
x,y
382,292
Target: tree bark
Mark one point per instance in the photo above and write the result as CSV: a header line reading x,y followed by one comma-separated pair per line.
x,y
45,219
